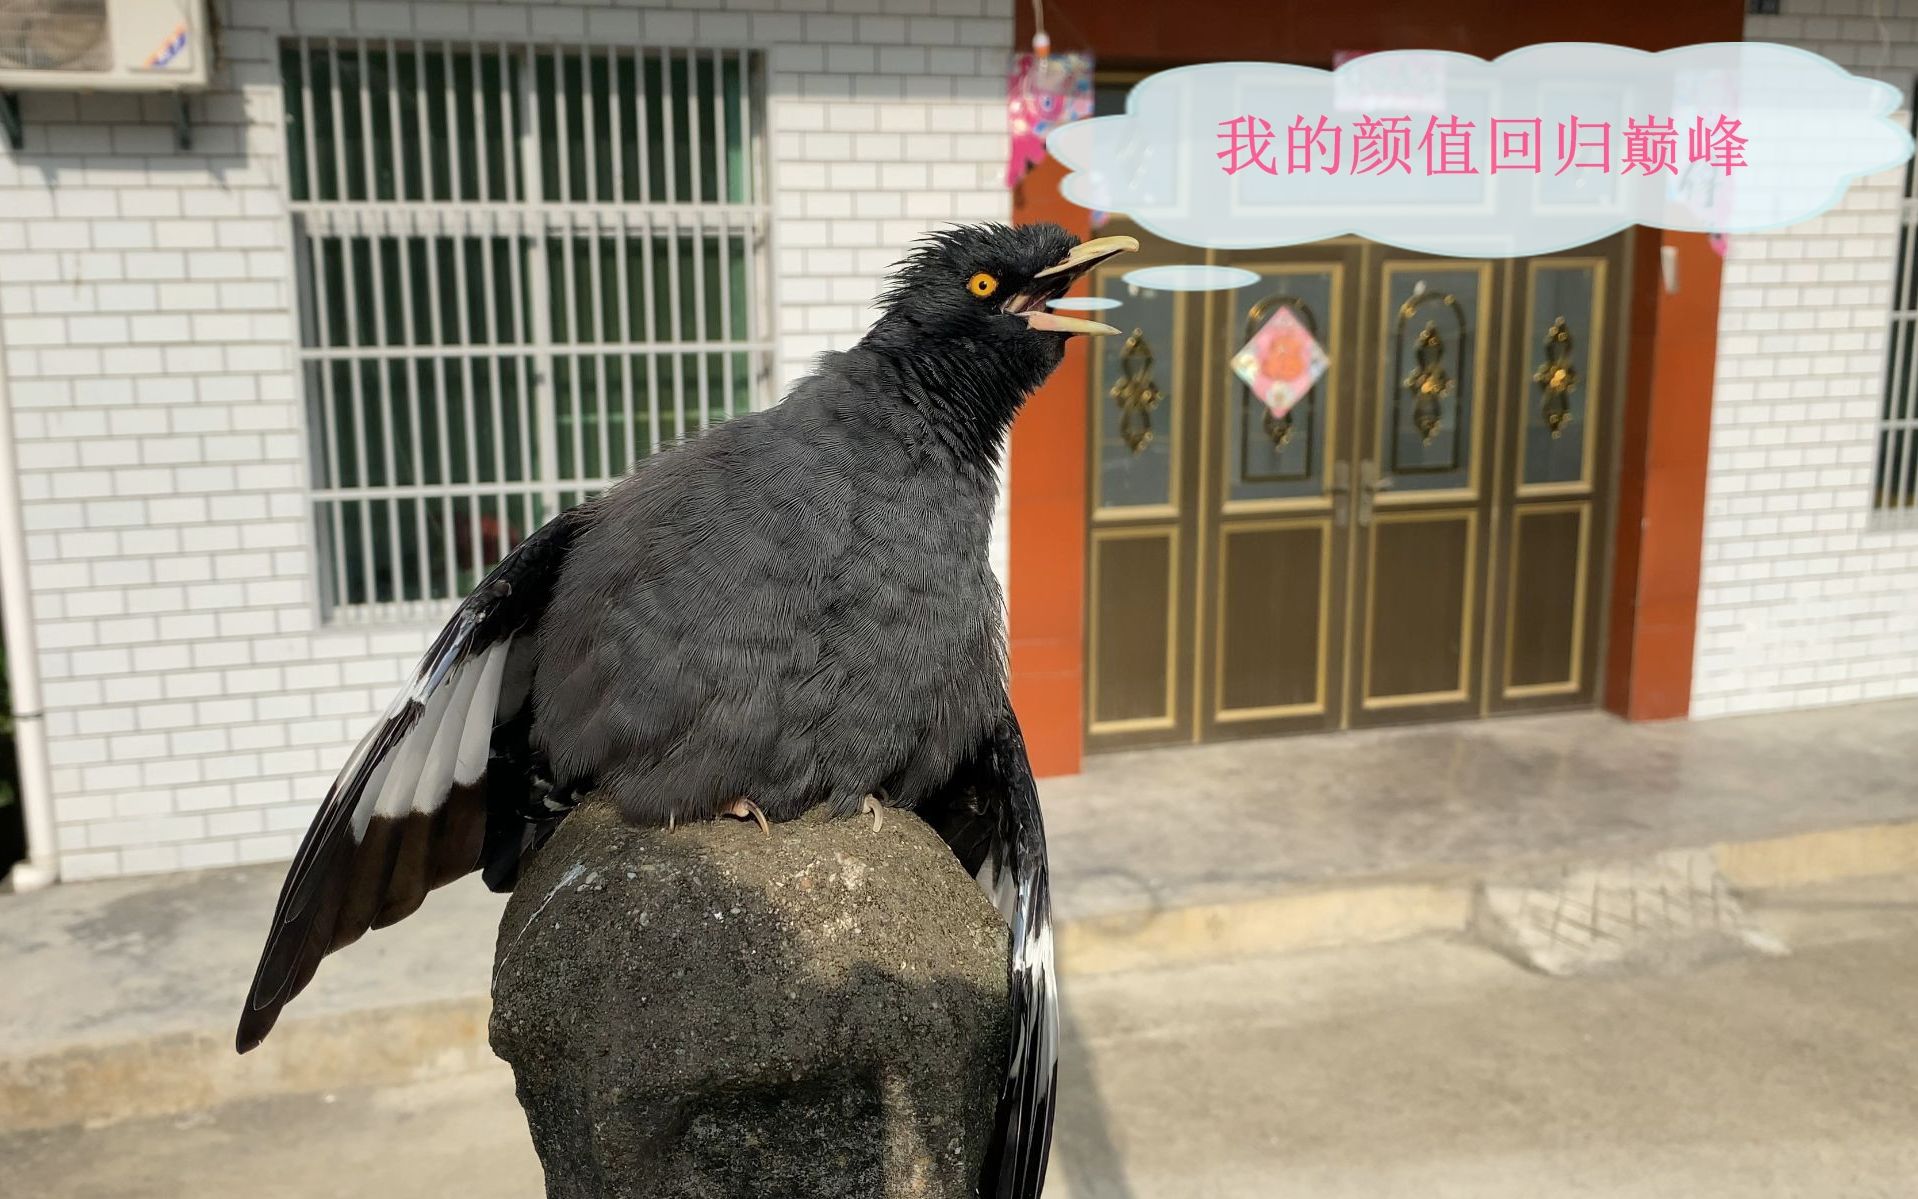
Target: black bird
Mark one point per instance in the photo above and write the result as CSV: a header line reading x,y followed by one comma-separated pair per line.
x,y
794,609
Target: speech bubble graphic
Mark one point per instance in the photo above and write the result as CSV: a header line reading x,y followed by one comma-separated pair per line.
x,y
1548,147
1190,276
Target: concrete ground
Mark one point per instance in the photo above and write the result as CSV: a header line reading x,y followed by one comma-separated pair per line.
x,y
1213,824
1427,1068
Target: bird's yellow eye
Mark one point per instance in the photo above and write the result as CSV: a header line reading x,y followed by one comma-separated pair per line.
x,y
982,285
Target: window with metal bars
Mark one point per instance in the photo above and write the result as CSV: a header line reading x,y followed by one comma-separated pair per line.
x,y
1895,482
520,269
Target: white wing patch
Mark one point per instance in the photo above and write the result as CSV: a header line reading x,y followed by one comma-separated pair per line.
x,y
396,793
476,741
436,773
449,743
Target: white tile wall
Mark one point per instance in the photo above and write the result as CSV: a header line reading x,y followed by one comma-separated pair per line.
x,y
1806,598
196,709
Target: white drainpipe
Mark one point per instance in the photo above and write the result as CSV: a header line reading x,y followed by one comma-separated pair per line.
x,y
23,664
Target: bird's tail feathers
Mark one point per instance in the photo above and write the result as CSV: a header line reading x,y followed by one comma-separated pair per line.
x,y
1014,873
1017,1160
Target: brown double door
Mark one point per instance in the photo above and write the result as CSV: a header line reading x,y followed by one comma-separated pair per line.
x,y
1420,538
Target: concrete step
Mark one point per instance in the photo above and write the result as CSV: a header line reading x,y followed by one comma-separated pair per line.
x,y
1665,912
1414,902
129,989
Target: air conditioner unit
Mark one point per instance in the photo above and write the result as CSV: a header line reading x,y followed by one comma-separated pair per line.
x,y
104,45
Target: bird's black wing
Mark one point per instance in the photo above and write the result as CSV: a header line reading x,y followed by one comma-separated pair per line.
x,y
989,815
408,811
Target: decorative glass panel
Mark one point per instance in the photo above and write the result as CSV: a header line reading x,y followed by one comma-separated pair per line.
x,y
1430,378
1270,458
1558,342
1135,398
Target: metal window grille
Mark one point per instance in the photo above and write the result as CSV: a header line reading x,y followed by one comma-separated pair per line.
x,y
1895,484
520,269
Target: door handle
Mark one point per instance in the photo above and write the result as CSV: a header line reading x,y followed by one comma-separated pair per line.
x,y
1370,484
1341,489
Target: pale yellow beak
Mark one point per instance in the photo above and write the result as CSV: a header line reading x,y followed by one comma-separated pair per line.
x,y
1088,254
1057,322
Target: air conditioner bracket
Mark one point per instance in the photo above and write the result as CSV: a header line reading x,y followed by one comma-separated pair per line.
x,y
16,135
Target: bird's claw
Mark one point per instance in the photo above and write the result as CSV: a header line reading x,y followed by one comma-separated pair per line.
x,y
878,810
745,809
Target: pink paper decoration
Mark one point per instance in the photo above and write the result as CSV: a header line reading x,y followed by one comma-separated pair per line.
x,y
1043,92
1281,362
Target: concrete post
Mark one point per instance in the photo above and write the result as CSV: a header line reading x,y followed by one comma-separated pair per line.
x,y
714,1011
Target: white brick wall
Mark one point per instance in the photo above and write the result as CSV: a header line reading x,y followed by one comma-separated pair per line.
x,y
196,709
1806,597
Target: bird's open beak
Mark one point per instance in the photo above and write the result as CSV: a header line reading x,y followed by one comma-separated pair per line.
x,y
1052,283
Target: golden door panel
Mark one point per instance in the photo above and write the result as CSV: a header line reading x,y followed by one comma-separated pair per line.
x,y
1556,490
1545,610
1271,561
1274,619
1420,596
1134,614
1144,401
1420,503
